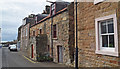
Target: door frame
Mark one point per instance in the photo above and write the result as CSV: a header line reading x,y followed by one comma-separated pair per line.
x,y
58,54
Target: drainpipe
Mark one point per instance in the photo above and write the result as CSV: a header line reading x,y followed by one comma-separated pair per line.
x,y
52,35
76,54
51,29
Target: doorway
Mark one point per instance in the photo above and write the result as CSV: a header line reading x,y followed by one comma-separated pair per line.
x,y
32,49
60,54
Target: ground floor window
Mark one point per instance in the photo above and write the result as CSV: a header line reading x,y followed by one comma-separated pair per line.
x,y
106,35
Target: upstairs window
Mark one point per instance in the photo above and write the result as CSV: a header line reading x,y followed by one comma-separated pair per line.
x,y
26,31
48,48
33,33
40,31
54,31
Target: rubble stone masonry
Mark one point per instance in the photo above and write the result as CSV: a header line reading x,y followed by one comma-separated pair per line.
x,y
64,21
87,12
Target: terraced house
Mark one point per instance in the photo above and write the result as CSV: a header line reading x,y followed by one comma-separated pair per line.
x,y
24,30
54,35
98,33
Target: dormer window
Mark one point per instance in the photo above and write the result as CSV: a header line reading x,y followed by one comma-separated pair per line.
x,y
53,6
52,9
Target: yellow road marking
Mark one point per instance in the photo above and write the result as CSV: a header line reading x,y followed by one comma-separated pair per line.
x,y
29,59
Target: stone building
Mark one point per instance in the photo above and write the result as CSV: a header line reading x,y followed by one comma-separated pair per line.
x,y
98,33
24,30
19,37
62,29
25,33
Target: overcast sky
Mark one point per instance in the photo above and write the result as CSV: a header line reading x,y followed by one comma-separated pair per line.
x,y
13,11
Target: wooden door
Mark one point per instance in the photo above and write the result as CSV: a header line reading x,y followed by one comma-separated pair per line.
x,y
60,54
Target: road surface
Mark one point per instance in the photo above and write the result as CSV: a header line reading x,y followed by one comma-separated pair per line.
x,y
16,60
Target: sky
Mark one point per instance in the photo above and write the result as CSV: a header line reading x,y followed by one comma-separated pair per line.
x,y
13,11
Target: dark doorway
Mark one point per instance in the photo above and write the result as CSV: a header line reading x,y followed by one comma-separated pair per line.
x,y
32,54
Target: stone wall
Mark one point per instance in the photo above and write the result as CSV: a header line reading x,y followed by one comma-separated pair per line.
x,y
118,17
25,39
87,12
64,21
65,35
45,26
62,24
41,44
32,42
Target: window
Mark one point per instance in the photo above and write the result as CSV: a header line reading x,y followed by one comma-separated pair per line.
x,y
106,35
36,19
26,31
33,33
48,48
40,31
54,31
53,6
98,1
53,9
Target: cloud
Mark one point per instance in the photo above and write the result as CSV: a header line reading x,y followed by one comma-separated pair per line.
x,y
13,11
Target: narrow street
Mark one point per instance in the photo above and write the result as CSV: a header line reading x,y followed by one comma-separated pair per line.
x,y
15,59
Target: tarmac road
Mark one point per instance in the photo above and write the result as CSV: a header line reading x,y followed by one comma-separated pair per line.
x,y
16,60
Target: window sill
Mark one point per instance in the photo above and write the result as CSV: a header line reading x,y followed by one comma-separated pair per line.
x,y
98,1
54,38
116,54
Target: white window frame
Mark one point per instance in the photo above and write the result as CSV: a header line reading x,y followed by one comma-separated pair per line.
x,y
98,1
99,50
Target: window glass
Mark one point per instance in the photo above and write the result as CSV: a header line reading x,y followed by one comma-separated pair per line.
x,y
111,41
103,27
54,31
33,33
53,6
40,31
104,41
110,26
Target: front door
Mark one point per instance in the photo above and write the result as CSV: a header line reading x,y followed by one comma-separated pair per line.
x,y
60,54
32,52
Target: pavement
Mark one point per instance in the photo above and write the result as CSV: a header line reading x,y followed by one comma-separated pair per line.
x,y
15,59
